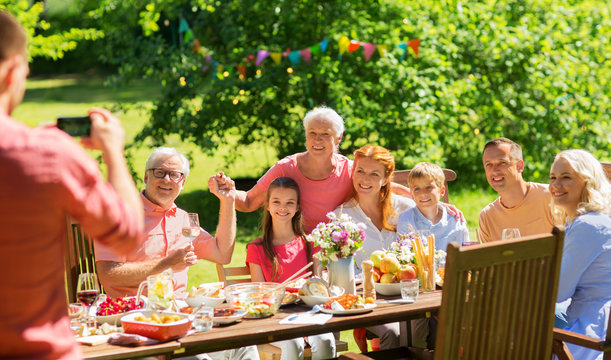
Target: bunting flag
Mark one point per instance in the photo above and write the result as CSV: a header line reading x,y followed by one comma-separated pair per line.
x,y
306,54
368,49
323,45
403,46
261,55
383,50
344,42
354,45
414,44
276,56
294,57
183,26
345,45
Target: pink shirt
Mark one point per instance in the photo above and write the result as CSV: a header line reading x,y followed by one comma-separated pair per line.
x,y
291,258
164,235
318,197
46,176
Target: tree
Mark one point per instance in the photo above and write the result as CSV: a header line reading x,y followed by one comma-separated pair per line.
x,y
43,41
534,71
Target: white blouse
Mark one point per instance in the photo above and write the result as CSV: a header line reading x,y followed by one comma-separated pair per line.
x,y
375,239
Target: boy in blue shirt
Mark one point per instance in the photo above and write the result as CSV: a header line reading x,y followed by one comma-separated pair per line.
x,y
426,182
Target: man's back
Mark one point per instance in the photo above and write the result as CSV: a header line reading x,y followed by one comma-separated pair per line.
x,y
46,177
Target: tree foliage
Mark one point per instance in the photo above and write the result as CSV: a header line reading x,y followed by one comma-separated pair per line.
x,y
43,40
535,71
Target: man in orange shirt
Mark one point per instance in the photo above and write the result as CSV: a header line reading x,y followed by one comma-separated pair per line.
x,y
523,205
47,176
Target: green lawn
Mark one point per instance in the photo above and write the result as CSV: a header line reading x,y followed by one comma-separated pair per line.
x,y
72,95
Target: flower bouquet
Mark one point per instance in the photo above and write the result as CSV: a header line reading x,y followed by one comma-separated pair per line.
x,y
339,238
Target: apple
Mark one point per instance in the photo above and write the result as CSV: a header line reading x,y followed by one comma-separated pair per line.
x,y
376,257
415,268
388,278
406,272
377,274
389,264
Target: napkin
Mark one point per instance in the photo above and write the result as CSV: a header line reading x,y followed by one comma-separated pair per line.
x,y
130,340
93,339
306,318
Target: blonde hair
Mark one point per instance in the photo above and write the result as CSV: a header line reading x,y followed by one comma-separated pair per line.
x,y
596,195
427,170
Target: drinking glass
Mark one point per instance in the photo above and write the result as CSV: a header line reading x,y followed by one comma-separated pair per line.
x,y
511,233
202,318
191,228
87,292
409,289
471,237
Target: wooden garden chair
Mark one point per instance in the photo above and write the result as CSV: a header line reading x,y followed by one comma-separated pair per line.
x,y
400,177
79,257
498,302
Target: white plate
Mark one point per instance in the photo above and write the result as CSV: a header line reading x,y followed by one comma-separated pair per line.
x,y
367,308
389,289
317,300
221,320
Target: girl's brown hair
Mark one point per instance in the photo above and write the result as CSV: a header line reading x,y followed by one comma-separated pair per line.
x,y
268,230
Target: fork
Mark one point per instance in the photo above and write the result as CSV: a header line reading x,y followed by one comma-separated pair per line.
x,y
315,309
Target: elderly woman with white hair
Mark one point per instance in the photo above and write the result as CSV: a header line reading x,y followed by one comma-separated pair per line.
x,y
323,175
581,196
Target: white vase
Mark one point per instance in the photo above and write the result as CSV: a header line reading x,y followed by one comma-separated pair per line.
x,y
341,273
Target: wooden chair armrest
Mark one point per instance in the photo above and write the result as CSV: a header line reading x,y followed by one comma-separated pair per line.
x,y
581,340
353,356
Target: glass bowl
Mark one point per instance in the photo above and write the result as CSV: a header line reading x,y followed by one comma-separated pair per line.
x,y
259,299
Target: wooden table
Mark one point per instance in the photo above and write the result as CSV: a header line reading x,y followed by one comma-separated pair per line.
x,y
262,331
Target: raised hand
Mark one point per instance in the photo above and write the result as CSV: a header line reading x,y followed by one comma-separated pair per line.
x,y
222,186
180,259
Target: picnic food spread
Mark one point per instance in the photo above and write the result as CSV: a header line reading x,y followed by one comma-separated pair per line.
x,y
119,305
345,302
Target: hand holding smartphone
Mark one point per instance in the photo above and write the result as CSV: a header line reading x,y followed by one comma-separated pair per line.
x,y
77,126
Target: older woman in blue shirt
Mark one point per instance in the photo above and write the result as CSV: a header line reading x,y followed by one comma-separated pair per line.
x,y
581,196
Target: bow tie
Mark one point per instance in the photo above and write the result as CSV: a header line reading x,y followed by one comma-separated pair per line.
x,y
171,212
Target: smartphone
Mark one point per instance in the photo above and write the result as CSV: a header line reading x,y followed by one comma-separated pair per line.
x,y
77,126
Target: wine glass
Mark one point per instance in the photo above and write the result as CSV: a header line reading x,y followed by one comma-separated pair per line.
x,y
511,233
87,292
191,228
471,237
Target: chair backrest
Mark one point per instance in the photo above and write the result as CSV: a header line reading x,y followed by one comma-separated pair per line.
x,y
79,257
498,299
400,177
607,168
233,275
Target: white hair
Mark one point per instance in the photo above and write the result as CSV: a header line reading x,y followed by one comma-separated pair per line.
x,y
167,151
327,114
596,195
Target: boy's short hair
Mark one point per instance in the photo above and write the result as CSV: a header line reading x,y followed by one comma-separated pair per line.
x,y
426,170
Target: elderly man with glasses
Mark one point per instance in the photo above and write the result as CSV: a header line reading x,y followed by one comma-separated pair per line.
x,y
165,247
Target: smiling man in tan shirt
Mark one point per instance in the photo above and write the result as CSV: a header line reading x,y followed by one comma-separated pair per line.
x,y
523,205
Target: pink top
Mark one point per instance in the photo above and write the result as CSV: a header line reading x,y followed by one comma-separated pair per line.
x,y
318,197
291,258
164,235
46,176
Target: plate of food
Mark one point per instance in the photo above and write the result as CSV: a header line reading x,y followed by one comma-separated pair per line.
x,y
227,316
317,291
347,304
211,294
111,310
290,298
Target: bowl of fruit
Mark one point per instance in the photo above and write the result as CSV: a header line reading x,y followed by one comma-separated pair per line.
x,y
111,310
259,299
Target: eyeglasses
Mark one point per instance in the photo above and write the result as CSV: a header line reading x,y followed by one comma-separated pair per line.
x,y
159,173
